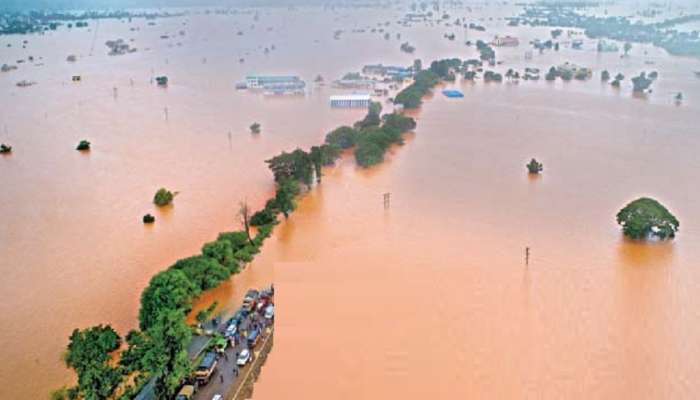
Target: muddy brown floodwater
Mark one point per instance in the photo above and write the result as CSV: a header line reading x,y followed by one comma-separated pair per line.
x,y
430,298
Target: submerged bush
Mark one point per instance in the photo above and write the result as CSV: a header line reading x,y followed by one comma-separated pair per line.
x,y
83,145
645,218
163,197
534,167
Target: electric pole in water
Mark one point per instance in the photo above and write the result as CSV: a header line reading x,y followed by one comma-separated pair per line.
x,y
527,255
387,200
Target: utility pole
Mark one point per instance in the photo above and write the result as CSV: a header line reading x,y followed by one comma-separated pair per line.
x,y
527,255
387,200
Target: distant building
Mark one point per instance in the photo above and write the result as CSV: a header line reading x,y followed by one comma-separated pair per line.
x,y
350,101
394,72
505,41
276,83
354,84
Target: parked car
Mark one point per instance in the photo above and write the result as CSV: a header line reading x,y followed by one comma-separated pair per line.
x,y
217,397
231,330
253,337
269,312
243,357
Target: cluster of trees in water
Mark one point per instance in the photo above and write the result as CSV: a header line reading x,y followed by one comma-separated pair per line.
x,y
159,347
618,28
424,80
372,136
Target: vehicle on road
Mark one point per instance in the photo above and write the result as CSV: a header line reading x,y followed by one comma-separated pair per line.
x,y
217,397
186,393
231,330
206,368
269,312
253,338
250,299
243,357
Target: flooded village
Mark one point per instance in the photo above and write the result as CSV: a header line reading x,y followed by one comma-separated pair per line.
x,y
409,199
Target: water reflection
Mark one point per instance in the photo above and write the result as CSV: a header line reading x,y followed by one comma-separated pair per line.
x,y
637,253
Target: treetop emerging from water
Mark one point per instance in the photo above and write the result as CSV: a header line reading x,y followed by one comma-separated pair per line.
x,y
646,218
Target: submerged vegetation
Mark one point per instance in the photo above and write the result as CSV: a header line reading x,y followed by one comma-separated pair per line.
x,y
646,218
163,197
534,167
617,28
5,148
84,145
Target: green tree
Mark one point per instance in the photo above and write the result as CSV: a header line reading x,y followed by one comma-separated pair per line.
x,y
343,137
372,118
627,48
89,355
316,156
167,358
262,217
163,197
131,358
84,145
222,252
167,290
645,217
534,167
285,202
295,165
204,272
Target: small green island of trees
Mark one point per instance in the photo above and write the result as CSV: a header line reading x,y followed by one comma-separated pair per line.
x,y
84,145
163,197
534,167
646,218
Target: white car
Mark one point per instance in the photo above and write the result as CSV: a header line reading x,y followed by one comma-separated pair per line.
x,y
217,397
270,311
230,331
243,358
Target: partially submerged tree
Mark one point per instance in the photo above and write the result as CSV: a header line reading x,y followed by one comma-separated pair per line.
x,y
255,128
605,76
149,219
641,83
84,145
5,149
534,167
244,215
89,355
163,197
645,218
627,48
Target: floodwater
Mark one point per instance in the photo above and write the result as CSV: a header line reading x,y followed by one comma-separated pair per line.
x,y
428,298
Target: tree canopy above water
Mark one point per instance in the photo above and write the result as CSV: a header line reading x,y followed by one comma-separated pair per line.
x,y
645,218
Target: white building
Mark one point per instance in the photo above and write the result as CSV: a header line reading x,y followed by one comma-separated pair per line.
x,y
350,101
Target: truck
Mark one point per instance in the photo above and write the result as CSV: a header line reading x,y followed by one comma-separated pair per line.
x,y
186,393
206,368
